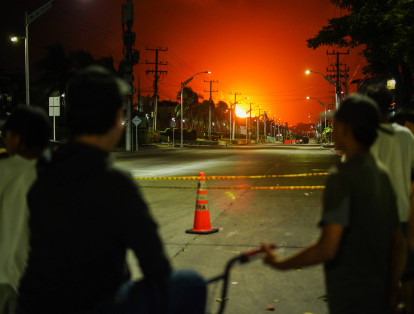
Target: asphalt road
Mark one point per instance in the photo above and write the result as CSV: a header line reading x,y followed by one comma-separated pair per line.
x,y
245,217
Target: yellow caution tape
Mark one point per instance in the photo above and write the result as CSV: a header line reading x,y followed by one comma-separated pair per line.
x,y
232,177
309,187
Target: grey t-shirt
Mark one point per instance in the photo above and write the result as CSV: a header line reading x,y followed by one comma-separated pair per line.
x,y
359,197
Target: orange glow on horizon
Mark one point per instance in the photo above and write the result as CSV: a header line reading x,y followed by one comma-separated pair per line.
x,y
241,113
264,59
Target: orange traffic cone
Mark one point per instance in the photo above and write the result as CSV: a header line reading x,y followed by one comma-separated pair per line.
x,y
202,215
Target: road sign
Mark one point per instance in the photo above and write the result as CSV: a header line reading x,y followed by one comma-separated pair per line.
x,y
54,111
136,120
173,124
54,106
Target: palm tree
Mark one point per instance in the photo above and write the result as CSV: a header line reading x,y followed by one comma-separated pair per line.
x,y
201,115
190,101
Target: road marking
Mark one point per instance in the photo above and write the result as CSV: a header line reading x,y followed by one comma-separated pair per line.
x,y
305,187
315,174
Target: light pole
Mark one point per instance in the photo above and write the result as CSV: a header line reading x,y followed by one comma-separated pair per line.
x,y
278,130
322,103
247,112
330,82
182,91
250,119
234,120
29,18
15,39
257,126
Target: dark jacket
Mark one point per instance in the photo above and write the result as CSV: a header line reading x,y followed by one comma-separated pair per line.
x,y
84,214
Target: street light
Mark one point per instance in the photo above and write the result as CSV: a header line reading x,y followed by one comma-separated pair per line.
x,y
330,82
182,91
322,103
29,18
15,39
247,112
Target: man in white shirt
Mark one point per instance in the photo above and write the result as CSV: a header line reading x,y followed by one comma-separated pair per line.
x,y
27,134
394,147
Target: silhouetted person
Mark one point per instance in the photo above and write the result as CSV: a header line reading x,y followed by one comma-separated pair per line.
x,y
395,148
405,118
85,214
27,132
361,244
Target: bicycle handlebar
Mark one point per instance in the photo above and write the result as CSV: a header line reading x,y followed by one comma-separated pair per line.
x,y
257,251
242,258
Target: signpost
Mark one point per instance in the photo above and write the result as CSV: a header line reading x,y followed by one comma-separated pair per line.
x,y
136,121
54,111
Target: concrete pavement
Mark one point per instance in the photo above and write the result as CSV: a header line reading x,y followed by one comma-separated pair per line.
x,y
245,218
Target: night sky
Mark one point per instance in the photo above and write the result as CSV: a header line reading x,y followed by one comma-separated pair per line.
x,y
256,48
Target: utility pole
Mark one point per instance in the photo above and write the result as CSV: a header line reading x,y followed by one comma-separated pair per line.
x,y
257,128
234,119
156,78
250,118
131,57
209,107
337,76
264,125
140,107
343,74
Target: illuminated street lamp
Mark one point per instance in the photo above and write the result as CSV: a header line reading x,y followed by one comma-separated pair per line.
x,y
29,18
330,82
15,39
182,91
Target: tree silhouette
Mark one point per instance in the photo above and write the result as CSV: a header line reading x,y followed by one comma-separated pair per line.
x,y
385,29
190,102
57,67
220,115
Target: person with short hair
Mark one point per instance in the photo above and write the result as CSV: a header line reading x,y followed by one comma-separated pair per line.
x,y
361,244
85,214
27,133
394,147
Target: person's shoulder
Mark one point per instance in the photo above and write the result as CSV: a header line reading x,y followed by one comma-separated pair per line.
x,y
118,176
334,170
402,131
382,168
337,175
17,171
17,163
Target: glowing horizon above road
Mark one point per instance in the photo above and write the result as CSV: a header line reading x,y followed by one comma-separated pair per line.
x,y
257,49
